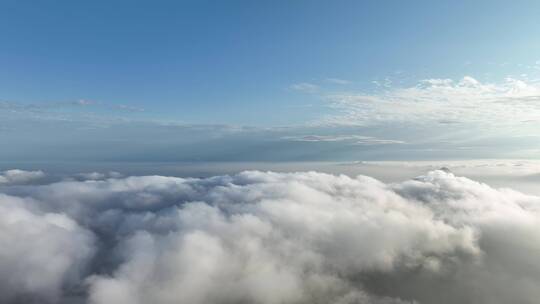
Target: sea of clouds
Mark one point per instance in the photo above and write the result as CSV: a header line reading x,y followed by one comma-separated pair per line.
x,y
264,237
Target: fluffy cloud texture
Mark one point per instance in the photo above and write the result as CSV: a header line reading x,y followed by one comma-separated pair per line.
x,y
16,176
43,253
263,237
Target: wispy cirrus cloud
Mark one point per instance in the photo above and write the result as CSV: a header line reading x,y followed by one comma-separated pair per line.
x,y
468,100
305,87
437,118
44,107
338,81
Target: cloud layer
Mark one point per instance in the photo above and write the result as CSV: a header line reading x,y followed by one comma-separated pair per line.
x,y
263,237
443,101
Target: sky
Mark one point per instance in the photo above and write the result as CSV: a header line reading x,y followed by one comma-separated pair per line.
x,y
218,152
269,80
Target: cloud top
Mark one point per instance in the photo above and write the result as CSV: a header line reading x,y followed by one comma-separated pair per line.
x,y
264,237
16,176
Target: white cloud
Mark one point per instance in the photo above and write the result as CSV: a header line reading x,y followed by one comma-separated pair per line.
x,y
338,81
16,176
437,100
305,87
128,108
41,253
519,174
98,175
263,237
355,139
84,102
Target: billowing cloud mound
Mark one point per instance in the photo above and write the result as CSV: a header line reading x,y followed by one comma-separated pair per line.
x,y
260,237
16,176
41,253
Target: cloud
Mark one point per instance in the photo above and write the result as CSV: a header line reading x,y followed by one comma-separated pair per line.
x,y
440,100
355,139
21,107
42,253
338,81
522,175
128,108
84,102
16,176
305,87
97,175
437,118
263,237
81,110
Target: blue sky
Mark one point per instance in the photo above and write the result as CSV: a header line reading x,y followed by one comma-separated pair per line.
x,y
291,77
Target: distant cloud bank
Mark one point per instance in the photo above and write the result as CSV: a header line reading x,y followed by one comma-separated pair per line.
x,y
263,237
16,176
436,118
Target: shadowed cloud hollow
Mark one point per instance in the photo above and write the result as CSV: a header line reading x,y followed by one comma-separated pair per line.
x,y
263,237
